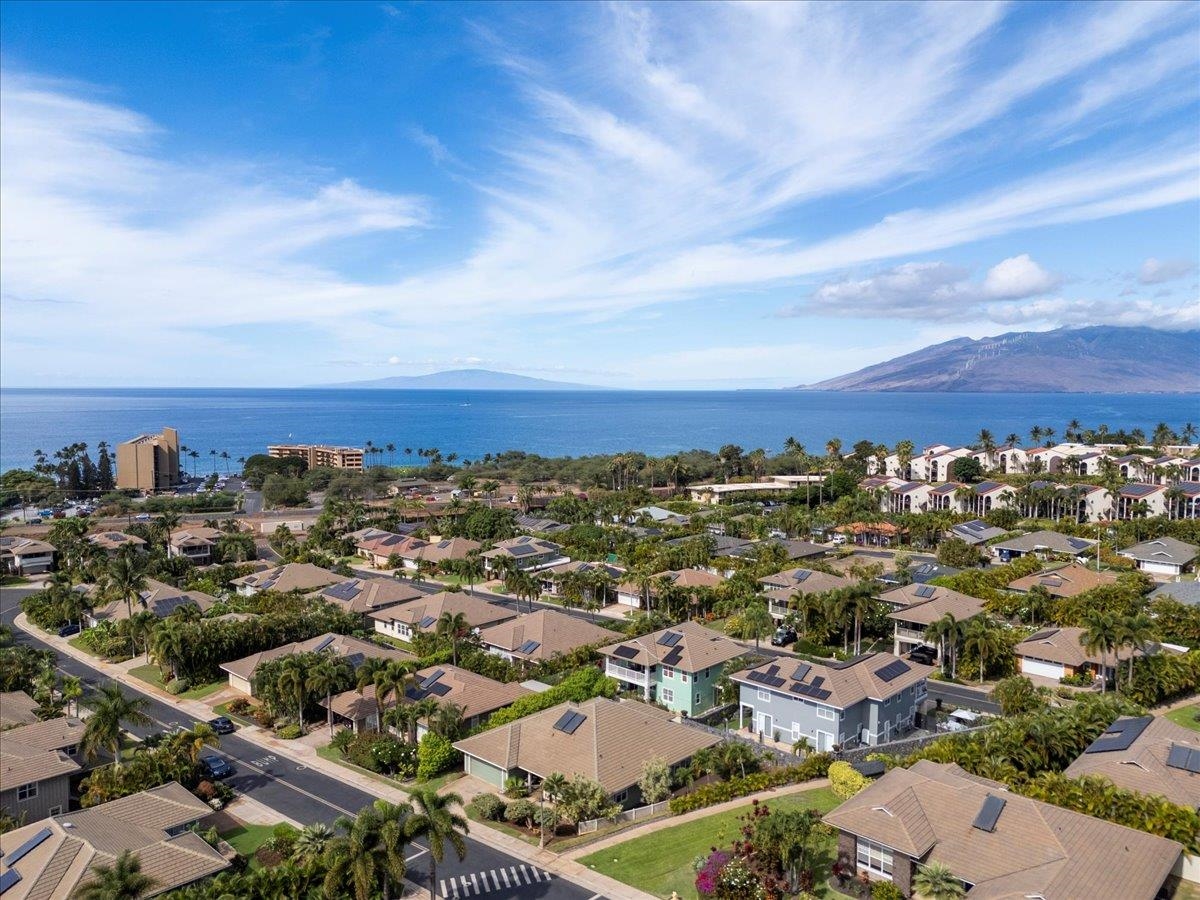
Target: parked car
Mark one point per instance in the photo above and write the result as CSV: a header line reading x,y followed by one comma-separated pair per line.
x,y
784,635
70,629
215,767
222,725
923,655
837,540
143,517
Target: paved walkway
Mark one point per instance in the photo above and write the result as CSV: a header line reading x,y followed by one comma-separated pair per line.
x,y
671,821
306,755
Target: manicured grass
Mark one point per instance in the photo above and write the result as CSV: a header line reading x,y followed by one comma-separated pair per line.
x,y
246,839
149,673
222,709
392,642
435,784
642,862
13,580
1186,716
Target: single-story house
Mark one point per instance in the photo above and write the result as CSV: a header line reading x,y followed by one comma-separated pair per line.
x,y
157,597
1187,592
362,596
526,551
404,620
36,765
25,556
1067,581
378,547
1142,754
478,697
999,844
537,525
975,532
1059,653
917,606
869,699
288,577
873,534
1163,556
678,667
1042,543
542,635
629,593
17,708
606,741
355,650
113,542
53,857
194,543
793,551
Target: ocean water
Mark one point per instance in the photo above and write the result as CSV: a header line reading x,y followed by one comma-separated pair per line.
x,y
568,423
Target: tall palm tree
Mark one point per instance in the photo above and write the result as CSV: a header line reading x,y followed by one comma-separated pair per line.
x,y
169,643
1101,634
291,682
757,621
983,638
392,679
71,690
327,676
937,882
435,820
1136,632
946,631
123,880
126,579
453,627
369,857
110,711
167,522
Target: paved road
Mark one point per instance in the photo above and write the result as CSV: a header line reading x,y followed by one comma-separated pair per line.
x,y
307,795
960,695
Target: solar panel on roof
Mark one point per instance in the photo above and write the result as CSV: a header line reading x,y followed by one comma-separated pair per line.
x,y
432,678
892,671
670,638
8,879
802,574
325,642
1177,756
756,676
347,590
529,646
439,690
32,844
772,670
625,652
1120,735
673,657
821,694
569,721
1042,635
426,621
924,591
775,681
801,672
989,813
818,681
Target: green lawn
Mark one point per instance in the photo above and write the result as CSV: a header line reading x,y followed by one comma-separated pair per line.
x,y
149,673
435,784
1186,716
643,863
245,839
222,709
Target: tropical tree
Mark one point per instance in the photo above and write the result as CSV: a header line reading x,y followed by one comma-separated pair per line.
x,y
312,842
946,631
329,675
123,880
291,683
71,690
435,820
370,856
1135,632
1102,633
126,580
757,622
984,639
937,882
453,627
112,710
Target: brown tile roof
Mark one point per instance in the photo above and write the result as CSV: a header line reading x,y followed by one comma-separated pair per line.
x,y
1065,645
479,613
447,548
365,595
21,764
847,683
683,578
698,648
1142,766
80,841
534,545
553,632
17,708
1064,582
611,746
13,545
290,577
804,581
198,536
926,604
1035,849
158,598
115,540
477,695
51,734
352,648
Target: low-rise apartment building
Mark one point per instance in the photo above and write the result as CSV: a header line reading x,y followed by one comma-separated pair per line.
x,y
320,455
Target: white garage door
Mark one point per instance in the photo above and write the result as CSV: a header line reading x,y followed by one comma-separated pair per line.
x,y
1045,669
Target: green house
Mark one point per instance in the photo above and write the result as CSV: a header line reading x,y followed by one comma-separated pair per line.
x,y
678,667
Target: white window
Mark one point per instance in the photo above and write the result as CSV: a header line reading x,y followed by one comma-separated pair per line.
x,y
668,671
764,696
684,676
27,791
55,811
874,857
823,713
668,695
795,731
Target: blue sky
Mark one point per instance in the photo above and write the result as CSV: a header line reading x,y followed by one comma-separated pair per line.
x,y
716,195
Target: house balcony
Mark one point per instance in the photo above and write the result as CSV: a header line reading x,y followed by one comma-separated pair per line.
x,y
778,610
623,673
910,634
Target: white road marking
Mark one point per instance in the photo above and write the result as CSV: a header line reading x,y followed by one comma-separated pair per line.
x,y
504,875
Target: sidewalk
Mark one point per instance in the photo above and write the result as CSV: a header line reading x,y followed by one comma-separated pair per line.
x,y
671,821
306,755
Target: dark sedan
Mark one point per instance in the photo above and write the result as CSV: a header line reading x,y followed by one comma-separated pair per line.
x,y
215,767
222,725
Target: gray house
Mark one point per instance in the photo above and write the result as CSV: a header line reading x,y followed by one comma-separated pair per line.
x,y
36,765
870,699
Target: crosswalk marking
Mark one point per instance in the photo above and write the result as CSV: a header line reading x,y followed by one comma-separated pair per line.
x,y
477,883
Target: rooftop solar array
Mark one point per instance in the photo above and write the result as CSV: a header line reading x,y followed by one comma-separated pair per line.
x,y
924,591
892,671
346,590
801,575
431,679
1120,735
8,879
813,690
801,672
1042,635
324,643
439,689
769,677
1186,758
989,813
1078,543
674,657
521,550
625,652
29,846
569,722
670,638
426,621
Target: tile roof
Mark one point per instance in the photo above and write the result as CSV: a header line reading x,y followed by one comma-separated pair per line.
x,y
803,581
682,578
1067,581
1182,591
924,604
352,648
289,577
115,540
696,648
478,612
553,633
75,843
364,595
14,545
1064,645
1163,550
199,536
841,685
17,708
477,695
1142,765
1052,541
158,598
1035,849
976,531
611,746
792,549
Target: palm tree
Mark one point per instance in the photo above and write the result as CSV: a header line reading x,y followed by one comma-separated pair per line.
x,y
71,690
453,627
1136,632
983,638
168,522
169,642
937,882
392,678
125,579
123,880
327,676
436,821
110,711
757,621
292,683
142,625
370,856
1101,634
946,631
312,842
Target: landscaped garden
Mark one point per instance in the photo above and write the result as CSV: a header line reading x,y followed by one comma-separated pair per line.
x,y
1187,716
641,862
152,675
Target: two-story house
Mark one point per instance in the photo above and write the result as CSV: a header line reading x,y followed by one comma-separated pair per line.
x,y
870,699
630,593
678,667
195,544
25,556
36,765
527,552
782,587
917,606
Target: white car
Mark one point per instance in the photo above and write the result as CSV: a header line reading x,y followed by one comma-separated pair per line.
x,y
838,540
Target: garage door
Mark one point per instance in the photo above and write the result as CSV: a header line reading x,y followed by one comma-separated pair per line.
x,y
493,775
1038,667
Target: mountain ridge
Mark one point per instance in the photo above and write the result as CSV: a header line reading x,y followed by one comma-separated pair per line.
x,y
465,380
1092,359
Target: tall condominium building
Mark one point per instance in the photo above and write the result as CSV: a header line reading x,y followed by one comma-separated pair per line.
x,y
149,462
321,455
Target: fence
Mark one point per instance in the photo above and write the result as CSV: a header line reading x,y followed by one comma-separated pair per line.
x,y
782,757
902,746
629,815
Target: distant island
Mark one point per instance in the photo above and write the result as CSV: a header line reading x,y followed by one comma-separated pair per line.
x,y
1095,359
466,380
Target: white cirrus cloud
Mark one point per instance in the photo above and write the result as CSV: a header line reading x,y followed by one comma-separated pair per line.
x,y
1156,271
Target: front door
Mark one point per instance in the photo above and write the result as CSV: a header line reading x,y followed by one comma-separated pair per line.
x,y
765,723
824,741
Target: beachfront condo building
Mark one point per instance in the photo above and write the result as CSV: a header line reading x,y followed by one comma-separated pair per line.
x,y
149,462
321,455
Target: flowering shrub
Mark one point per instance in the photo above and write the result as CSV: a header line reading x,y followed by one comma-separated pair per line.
x,y
816,766
709,872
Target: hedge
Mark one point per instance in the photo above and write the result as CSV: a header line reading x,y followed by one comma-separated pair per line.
x,y
816,766
435,755
845,781
577,687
